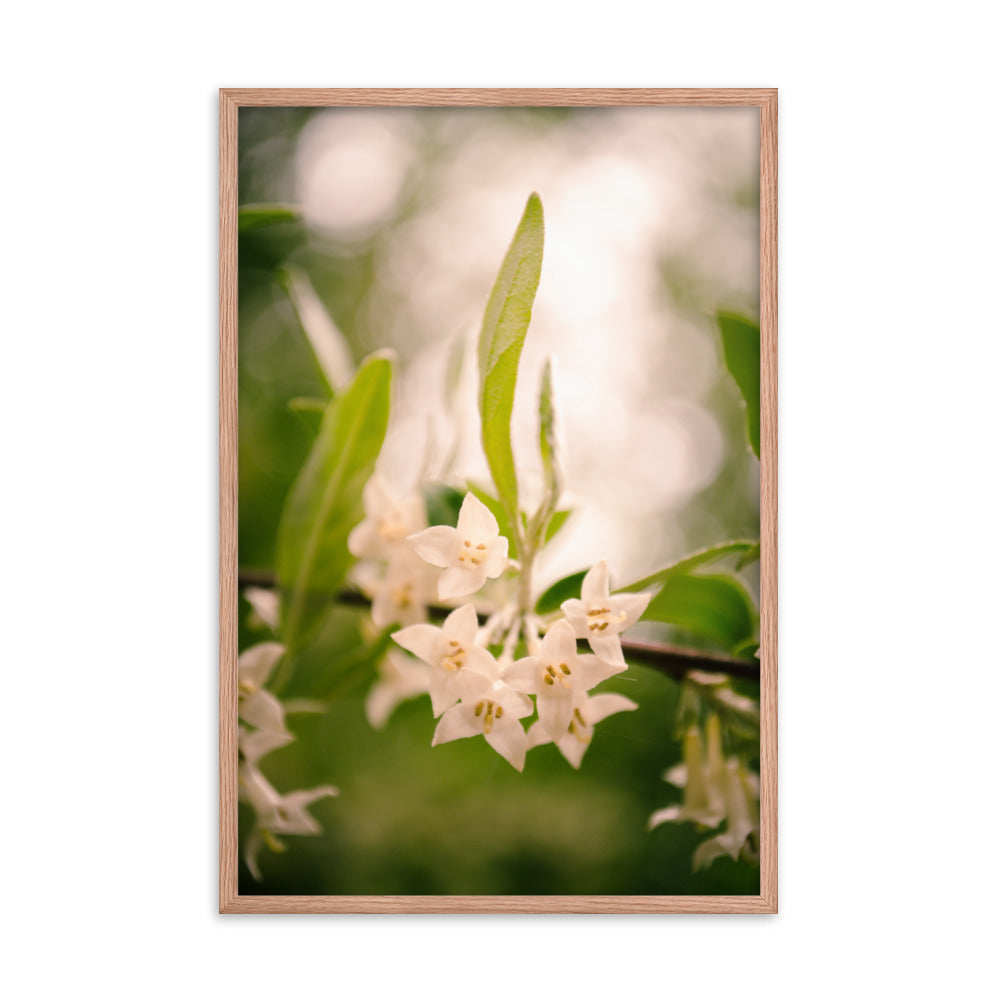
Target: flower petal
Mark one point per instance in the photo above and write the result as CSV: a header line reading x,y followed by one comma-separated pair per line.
x,y
594,590
608,648
555,710
523,675
444,691
559,643
591,670
481,661
456,582
436,545
422,641
573,749
661,816
475,521
256,663
462,624
537,736
632,605
263,711
601,706
508,738
457,723
496,558
261,742
265,604
576,614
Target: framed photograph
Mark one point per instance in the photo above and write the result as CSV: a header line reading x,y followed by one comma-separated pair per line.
x,y
498,501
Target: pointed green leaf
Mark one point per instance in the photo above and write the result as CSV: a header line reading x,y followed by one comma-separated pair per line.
x,y
505,324
329,345
559,518
741,345
561,590
715,608
700,558
324,503
258,216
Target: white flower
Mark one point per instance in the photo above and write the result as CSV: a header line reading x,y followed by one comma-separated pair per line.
x,y
276,813
400,593
257,706
491,709
451,652
703,778
587,712
558,676
387,522
600,618
400,678
265,607
742,833
468,553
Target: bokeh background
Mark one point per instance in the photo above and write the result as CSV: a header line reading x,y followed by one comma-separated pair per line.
x,y
652,224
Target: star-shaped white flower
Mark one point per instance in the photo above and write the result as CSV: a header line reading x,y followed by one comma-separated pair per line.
x,y
257,706
387,522
587,712
742,833
451,652
703,778
600,618
469,553
276,813
558,676
400,592
491,709
400,678
265,607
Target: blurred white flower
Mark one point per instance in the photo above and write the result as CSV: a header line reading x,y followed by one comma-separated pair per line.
x,y
451,652
399,592
265,607
600,618
491,709
387,522
587,712
257,743
276,813
558,676
742,833
400,678
469,553
702,775
257,706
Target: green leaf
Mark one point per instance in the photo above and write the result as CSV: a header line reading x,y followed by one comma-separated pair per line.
x,y
752,555
327,342
700,558
443,503
559,518
497,510
505,324
561,590
741,345
548,438
258,216
324,503
716,608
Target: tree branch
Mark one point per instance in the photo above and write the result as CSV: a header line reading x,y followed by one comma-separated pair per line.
x,y
675,661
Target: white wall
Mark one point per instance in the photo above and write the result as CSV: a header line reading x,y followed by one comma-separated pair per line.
x,y
889,559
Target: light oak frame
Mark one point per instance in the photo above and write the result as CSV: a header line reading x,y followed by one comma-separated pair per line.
x,y
230,101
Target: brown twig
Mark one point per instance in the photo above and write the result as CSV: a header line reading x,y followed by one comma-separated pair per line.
x,y
675,661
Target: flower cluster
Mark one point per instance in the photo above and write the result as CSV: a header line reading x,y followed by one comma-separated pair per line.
x,y
260,709
477,693
716,790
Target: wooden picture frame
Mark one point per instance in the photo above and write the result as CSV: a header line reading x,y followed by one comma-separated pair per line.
x,y
230,101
